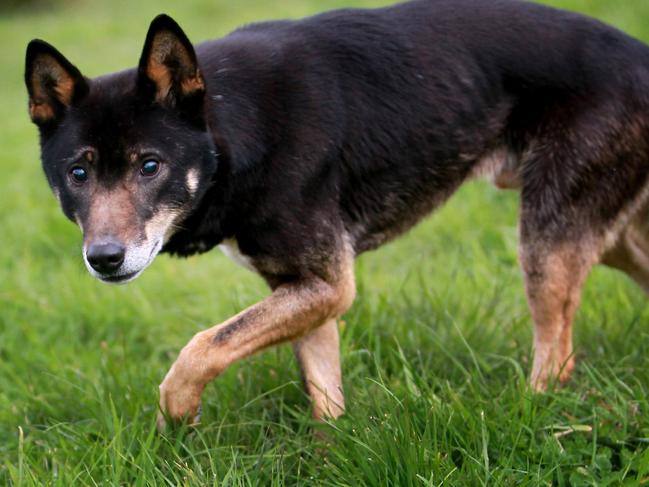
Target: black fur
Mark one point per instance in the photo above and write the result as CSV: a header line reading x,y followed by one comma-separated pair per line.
x,y
362,121
368,119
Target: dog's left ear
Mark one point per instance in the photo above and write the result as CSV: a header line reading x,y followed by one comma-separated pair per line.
x,y
168,70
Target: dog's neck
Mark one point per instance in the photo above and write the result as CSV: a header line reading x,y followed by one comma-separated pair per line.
x,y
242,144
209,223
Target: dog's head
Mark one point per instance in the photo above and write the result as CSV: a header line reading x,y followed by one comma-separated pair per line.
x,y
128,155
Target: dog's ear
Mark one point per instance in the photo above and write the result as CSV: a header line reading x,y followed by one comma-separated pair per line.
x,y
52,81
168,70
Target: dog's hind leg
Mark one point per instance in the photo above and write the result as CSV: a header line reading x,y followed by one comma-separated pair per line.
x,y
318,354
584,176
631,252
554,276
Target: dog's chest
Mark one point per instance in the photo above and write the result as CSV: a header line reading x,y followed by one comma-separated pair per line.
x,y
230,248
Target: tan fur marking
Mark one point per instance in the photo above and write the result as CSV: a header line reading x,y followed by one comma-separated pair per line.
x,y
192,84
192,179
160,75
631,252
500,168
230,248
318,354
111,213
165,46
289,313
47,69
553,283
162,223
40,112
65,89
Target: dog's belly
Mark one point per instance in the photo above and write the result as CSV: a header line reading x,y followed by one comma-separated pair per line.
x,y
500,167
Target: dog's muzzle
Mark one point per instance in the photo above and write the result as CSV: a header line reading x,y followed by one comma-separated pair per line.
x,y
113,262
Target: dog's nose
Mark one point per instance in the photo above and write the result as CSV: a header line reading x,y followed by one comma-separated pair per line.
x,y
105,257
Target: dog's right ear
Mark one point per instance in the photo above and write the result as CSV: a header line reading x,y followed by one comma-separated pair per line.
x,y
52,81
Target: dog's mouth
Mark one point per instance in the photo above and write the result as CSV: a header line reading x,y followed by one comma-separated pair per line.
x,y
121,279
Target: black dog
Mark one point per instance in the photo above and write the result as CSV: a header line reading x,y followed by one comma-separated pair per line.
x,y
297,145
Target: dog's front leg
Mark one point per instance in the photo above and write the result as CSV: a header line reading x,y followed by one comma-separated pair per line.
x,y
318,354
290,312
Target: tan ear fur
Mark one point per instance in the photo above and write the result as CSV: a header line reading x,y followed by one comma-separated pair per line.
x,y
47,72
170,62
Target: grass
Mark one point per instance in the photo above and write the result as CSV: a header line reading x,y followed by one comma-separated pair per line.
x,y
436,348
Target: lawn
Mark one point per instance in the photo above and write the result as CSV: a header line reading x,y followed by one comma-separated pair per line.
x,y
435,350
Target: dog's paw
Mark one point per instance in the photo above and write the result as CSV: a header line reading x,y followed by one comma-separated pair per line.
x,y
566,371
179,406
550,374
164,421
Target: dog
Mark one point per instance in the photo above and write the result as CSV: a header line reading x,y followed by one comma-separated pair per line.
x,y
297,145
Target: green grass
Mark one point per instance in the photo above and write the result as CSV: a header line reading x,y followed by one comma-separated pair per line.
x,y
436,349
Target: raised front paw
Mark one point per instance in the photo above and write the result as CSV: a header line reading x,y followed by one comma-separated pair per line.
x,y
181,389
179,404
180,396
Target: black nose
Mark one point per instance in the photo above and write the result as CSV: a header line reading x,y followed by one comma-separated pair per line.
x,y
105,257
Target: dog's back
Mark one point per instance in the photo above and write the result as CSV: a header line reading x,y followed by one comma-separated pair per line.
x,y
389,110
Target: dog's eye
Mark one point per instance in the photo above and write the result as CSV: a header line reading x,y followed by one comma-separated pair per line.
x,y
150,168
79,174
